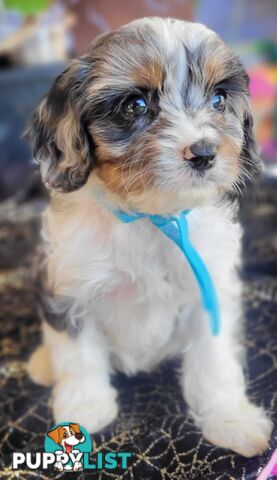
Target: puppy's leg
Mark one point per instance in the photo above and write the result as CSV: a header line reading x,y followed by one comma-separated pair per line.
x,y
82,392
214,386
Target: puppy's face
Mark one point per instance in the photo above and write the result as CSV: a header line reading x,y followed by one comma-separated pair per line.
x,y
158,111
67,436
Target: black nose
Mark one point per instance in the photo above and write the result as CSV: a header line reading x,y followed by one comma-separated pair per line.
x,y
204,155
202,149
78,435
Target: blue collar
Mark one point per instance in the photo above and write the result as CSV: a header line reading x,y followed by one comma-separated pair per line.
x,y
176,229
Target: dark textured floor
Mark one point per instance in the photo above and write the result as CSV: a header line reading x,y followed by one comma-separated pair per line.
x,y
153,421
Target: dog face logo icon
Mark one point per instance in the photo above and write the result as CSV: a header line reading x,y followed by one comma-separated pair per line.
x,y
67,436
68,441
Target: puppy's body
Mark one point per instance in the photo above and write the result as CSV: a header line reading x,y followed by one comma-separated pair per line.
x,y
125,294
144,290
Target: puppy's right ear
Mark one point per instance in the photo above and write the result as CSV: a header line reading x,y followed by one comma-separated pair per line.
x,y
58,132
55,434
75,427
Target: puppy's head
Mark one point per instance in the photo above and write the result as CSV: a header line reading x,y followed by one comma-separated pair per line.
x,y
67,436
157,111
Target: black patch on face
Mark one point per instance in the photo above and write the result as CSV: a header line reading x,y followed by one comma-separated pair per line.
x,y
234,85
109,120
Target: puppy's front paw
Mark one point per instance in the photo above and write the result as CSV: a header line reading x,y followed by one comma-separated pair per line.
x,y
246,429
93,408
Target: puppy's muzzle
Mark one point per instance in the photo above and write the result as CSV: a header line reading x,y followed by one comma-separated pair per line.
x,y
200,155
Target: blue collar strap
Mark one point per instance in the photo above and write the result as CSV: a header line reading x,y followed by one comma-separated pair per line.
x,y
176,229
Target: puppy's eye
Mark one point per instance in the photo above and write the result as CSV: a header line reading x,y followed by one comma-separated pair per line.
x,y
218,101
135,106
65,434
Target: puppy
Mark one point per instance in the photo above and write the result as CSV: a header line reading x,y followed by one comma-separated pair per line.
x,y
153,118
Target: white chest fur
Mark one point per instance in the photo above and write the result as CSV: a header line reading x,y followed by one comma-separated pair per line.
x,y
134,284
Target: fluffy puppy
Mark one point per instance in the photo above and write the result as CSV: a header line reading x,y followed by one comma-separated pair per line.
x,y
155,118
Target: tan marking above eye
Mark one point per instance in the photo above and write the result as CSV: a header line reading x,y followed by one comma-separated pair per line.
x,y
216,61
150,74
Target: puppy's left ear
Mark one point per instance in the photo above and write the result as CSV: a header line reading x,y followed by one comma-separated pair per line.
x,y
55,434
250,156
58,131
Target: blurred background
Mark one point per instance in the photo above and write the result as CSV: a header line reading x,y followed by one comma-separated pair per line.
x,y
37,37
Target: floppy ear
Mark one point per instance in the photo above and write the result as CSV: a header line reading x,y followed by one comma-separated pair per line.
x,y
58,132
75,427
250,156
55,434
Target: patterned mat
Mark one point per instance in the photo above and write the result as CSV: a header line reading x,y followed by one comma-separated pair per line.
x,y
153,421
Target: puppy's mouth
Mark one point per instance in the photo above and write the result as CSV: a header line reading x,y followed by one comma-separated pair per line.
x,y
68,448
